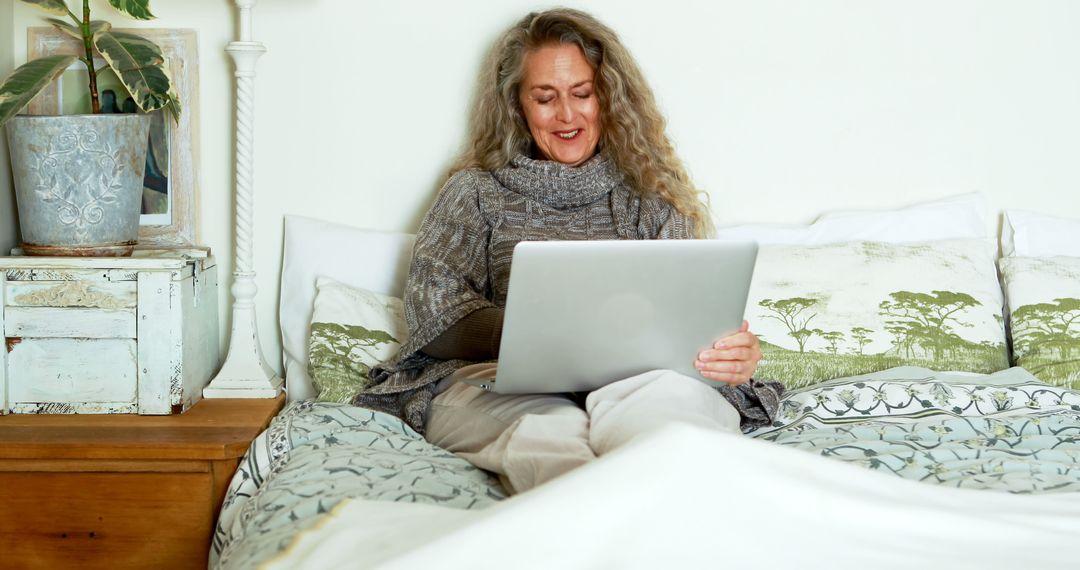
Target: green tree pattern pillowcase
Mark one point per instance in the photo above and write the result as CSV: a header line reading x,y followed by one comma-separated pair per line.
x,y
351,330
1044,315
829,311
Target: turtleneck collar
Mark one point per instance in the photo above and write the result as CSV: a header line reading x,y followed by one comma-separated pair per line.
x,y
558,185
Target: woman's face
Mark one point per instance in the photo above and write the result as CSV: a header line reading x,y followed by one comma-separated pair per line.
x,y
560,104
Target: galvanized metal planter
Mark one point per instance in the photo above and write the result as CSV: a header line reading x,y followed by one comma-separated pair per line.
x,y
78,182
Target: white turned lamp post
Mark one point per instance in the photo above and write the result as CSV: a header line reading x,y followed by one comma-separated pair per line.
x,y
245,374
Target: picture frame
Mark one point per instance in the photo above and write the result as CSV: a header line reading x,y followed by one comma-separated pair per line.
x,y
173,220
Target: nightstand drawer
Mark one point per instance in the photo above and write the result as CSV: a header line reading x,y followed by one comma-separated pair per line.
x,y
69,370
120,491
55,322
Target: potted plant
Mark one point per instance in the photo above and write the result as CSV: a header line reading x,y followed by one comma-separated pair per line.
x,y
79,178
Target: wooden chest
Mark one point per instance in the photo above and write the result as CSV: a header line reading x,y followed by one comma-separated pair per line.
x,y
135,335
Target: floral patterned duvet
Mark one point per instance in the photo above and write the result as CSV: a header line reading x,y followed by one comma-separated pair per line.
x,y
316,454
1005,431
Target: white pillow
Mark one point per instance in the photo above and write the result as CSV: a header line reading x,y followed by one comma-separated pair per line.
x,y
835,310
352,330
1027,234
958,217
376,261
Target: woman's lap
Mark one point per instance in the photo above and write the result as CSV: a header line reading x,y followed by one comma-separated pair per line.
x,y
530,438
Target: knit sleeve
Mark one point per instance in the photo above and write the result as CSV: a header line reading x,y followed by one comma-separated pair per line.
x,y
448,278
660,220
677,226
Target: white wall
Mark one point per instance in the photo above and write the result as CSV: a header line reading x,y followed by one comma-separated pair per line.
x,y
9,234
781,109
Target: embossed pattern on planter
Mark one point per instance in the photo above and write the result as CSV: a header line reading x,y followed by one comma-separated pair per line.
x,y
79,174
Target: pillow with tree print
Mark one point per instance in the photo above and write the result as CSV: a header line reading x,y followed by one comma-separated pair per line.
x,y
351,330
836,310
1043,296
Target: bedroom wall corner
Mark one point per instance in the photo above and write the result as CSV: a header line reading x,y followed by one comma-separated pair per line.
x,y
9,228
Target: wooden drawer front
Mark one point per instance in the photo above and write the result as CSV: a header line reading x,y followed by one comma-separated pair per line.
x,y
54,322
102,295
73,370
106,520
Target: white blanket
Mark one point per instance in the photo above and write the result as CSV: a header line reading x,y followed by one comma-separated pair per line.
x,y
688,498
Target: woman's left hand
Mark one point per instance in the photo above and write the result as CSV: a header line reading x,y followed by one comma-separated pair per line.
x,y
732,359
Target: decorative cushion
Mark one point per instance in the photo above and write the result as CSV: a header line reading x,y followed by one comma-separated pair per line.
x,y
352,330
1043,296
829,311
376,261
1027,234
957,217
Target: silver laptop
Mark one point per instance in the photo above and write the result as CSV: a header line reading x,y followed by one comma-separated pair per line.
x,y
582,314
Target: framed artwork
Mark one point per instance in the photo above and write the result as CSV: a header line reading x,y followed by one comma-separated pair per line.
x,y
171,181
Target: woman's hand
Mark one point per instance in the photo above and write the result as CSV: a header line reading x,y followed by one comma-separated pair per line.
x,y
732,359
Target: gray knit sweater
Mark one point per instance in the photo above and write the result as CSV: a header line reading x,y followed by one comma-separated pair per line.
x,y
461,260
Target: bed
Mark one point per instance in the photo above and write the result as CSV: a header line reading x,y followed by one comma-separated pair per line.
x,y
876,456
932,418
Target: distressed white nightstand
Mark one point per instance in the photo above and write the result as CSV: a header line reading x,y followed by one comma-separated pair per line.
x,y
121,335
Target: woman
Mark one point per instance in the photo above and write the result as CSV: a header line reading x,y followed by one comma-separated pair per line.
x,y
566,143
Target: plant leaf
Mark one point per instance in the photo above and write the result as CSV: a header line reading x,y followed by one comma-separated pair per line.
x,y
75,31
56,7
138,9
27,81
98,26
139,64
65,27
173,107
